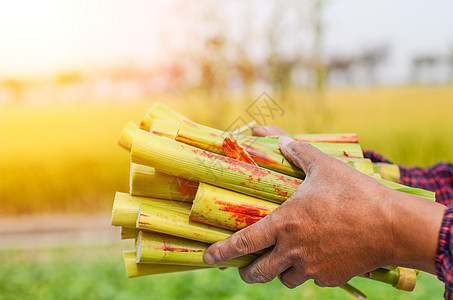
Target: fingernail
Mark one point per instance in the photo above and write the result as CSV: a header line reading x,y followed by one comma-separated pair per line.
x,y
209,258
284,140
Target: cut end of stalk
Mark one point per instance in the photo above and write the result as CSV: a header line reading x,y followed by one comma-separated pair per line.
x,y
138,246
407,279
127,136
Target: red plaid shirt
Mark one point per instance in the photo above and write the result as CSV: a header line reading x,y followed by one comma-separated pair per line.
x,y
439,179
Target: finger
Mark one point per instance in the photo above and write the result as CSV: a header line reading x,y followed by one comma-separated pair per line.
x,y
293,277
302,154
268,131
251,239
265,268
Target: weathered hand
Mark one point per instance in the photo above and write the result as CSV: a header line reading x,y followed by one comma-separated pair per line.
x,y
338,224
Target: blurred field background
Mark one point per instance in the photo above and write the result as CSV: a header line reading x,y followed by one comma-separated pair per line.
x,y
65,95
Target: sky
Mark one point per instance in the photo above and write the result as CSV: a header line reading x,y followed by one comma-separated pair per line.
x,y
47,36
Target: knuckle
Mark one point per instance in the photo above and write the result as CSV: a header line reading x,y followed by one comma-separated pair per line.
x,y
289,283
243,243
258,275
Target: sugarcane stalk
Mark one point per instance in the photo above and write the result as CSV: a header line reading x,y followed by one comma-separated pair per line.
x,y
175,158
405,189
388,172
125,208
351,290
164,128
147,182
127,135
400,278
322,137
128,233
266,152
154,247
161,112
227,209
211,139
178,224
134,269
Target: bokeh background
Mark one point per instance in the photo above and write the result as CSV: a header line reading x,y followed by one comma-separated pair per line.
x,y
73,73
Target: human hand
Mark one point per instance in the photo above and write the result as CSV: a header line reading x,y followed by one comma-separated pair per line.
x,y
338,224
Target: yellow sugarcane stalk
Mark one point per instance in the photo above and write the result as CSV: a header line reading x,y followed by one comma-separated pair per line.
x,y
161,112
400,278
227,209
387,171
128,233
125,208
211,139
127,135
265,152
178,224
185,161
164,128
134,269
146,181
154,247
322,137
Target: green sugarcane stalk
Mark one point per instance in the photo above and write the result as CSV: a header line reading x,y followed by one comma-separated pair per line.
x,y
400,278
125,208
178,224
154,247
227,209
178,159
266,152
388,172
147,182
322,137
161,112
352,291
134,269
128,233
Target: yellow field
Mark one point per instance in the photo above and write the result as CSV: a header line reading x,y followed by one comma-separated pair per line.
x,y
66,158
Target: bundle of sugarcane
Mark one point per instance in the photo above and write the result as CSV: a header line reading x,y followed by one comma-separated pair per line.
x,y
191,186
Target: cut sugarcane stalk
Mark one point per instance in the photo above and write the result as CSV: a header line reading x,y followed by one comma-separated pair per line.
x,y
146,181
178,224
388,172
400,278
164,128
352,291
154,247
175,158
405,189
126,207
233,149
134,269
227,209
161,112
211,139
128,233
266,152
127,135
322,137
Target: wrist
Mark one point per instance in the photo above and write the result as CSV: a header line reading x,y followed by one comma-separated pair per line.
x,y
415,230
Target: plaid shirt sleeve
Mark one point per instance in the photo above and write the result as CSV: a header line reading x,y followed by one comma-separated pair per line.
x,y
439,179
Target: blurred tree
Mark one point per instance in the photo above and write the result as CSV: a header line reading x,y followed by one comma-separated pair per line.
x,y
423,66
340,67
371,59
450,64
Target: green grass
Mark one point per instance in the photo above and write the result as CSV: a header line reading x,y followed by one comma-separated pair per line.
x,y
91,274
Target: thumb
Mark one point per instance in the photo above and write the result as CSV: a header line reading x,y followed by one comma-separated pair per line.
x,y
302,154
